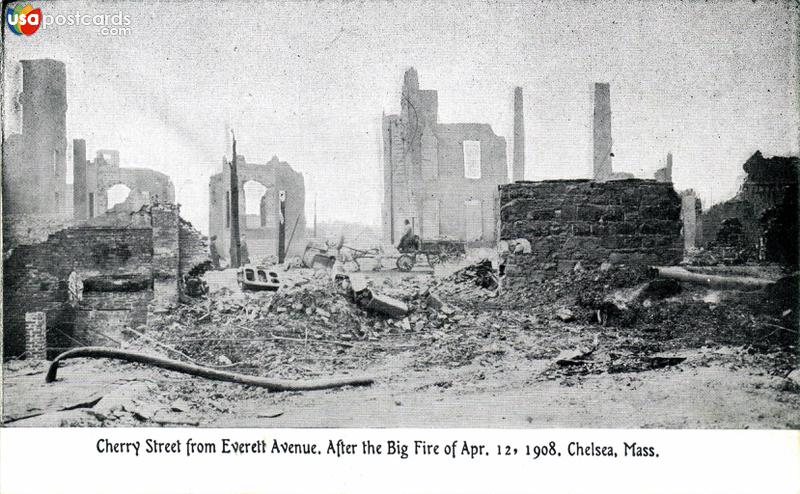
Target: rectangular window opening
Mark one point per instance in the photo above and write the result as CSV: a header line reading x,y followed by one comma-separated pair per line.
x,y
472,159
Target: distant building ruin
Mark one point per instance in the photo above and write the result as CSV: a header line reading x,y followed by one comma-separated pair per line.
x,y
442,178
261,227
665,174
92,181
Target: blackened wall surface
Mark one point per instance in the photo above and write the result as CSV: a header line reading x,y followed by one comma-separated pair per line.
x,y
566,221
769,182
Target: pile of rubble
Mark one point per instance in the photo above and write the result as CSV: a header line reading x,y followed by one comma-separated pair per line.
x,y
318,324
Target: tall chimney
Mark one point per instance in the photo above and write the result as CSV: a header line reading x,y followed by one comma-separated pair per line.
x,y
669,167
518,169
602,132
80,203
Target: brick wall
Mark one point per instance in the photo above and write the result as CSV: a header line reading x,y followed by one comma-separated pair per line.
x,y
166,253
127,270
102,316
35,276
566,221
35,334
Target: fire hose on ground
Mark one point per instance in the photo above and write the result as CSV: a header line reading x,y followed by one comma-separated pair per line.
x,y
200,371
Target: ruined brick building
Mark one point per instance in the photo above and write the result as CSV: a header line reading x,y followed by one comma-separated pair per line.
x,y
37,200
443,178
770,184
261,228
92,181
555,224
34,162
75,272
87,283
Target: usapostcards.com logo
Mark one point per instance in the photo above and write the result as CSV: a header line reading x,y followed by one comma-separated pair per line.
x,y
26,20
23,20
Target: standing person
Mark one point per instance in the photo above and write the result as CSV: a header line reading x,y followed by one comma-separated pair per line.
x,y
212,251
244,255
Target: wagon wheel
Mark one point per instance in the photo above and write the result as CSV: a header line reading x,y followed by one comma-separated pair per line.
x,y
434,259
405,262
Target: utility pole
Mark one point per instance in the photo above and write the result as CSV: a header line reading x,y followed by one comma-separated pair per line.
x,y
235,239
282,228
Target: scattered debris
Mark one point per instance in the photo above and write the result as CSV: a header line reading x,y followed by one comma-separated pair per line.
x,y
643,363
258,278
565,314
481,273
389,306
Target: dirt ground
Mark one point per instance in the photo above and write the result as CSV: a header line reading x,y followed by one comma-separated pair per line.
x,y
480,360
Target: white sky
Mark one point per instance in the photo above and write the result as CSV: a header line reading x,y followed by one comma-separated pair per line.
x,y
307,81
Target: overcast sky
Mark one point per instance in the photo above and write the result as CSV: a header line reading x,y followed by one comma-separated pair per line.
x,y
308,81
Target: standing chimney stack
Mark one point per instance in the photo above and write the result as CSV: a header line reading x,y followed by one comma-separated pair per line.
x,y
602,132
518,169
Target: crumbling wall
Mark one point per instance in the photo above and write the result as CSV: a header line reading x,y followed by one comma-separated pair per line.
x,y
193,247
26,229
94,280
166,253
93,179
103,315
36,276
567,221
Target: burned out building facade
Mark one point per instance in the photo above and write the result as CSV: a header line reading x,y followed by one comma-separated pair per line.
x,y
36,198
34,162
261,228
93,179
443,178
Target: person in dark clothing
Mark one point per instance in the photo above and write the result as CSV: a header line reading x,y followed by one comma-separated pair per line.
x,y
409,242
